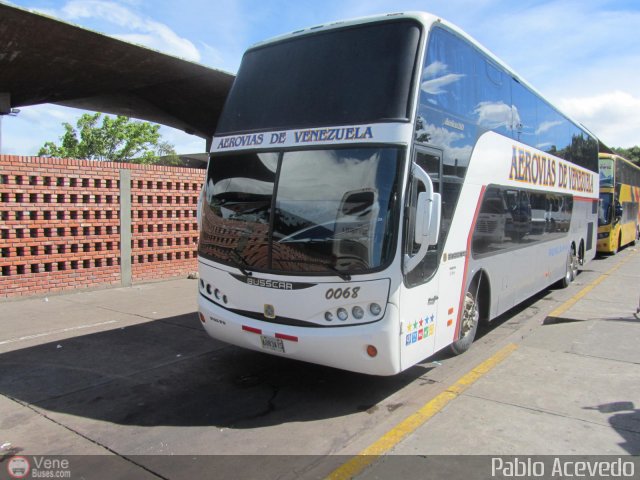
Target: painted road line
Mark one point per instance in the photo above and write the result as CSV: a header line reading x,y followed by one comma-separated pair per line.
x,y
56,332
557,312
410,424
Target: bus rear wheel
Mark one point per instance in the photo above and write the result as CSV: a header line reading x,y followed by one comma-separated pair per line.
x,y
571,269
468,325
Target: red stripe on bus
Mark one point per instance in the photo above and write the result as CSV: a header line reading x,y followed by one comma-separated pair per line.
x,y
252,330
585,199
466,261
282,336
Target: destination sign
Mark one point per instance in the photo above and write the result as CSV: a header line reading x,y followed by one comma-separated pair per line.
x,y
386,133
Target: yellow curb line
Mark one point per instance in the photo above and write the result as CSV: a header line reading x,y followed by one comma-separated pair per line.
x,y
394,436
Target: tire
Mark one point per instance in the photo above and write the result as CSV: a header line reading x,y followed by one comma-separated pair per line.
x,y
617,249
570,269
469,325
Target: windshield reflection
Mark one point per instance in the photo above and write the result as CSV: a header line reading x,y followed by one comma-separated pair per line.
x,y
333,211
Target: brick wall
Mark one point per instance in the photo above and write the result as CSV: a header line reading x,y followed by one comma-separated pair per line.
x,y
165,229
60,224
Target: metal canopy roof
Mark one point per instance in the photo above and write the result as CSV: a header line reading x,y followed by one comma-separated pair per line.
x,y
44,60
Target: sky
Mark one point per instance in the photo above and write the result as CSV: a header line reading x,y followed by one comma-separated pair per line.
x,y
583,56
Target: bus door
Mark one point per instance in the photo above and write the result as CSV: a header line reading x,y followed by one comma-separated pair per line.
x,y
420,293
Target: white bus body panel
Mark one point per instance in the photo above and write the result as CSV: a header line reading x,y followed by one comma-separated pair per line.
x,y
513,275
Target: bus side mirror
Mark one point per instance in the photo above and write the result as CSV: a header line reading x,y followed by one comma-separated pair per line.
x,y
618,211
436,214
427,219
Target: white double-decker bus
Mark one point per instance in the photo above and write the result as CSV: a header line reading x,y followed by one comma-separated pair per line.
x,y
370,191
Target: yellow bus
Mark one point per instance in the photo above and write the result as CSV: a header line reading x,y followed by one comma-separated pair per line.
x,y
619,212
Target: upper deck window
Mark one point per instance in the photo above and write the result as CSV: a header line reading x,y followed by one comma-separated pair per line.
x,y
346,76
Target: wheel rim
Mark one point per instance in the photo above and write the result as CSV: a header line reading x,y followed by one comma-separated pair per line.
x,y
569,273
470,315
574,265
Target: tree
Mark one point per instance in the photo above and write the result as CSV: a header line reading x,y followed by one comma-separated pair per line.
x,y
118,140
632,154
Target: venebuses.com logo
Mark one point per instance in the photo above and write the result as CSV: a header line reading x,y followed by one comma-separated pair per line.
x,y
18,467
38,467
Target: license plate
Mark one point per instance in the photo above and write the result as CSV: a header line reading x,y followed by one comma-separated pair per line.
x,y
272,343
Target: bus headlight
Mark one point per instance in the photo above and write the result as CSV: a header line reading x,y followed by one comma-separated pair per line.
x,y
355,313
603,235
214,292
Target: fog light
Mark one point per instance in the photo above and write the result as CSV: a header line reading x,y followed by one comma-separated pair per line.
x,y
357,312
375,309
372,351
328,316
201,317
342,314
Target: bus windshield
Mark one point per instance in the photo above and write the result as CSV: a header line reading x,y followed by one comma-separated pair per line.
x,y
314,211
351,76
606,166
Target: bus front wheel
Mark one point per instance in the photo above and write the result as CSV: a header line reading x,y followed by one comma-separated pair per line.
x,y
618,244
468,325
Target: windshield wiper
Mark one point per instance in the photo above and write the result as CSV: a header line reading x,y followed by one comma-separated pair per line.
x,y
304,240
241,262
343,275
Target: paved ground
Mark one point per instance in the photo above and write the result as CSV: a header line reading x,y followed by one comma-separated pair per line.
x,y
129,373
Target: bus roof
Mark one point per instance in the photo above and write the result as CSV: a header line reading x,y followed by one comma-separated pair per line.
x,y
428,20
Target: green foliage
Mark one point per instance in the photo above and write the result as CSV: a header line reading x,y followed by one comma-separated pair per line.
x,y
117,139
632,154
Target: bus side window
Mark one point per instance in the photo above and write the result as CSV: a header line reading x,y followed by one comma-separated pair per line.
x,y
430,163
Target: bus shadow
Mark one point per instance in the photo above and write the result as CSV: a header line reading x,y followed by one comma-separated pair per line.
x,y
632,318
170,373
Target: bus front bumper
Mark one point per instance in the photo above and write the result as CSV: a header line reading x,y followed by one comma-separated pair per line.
x,y
346,348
